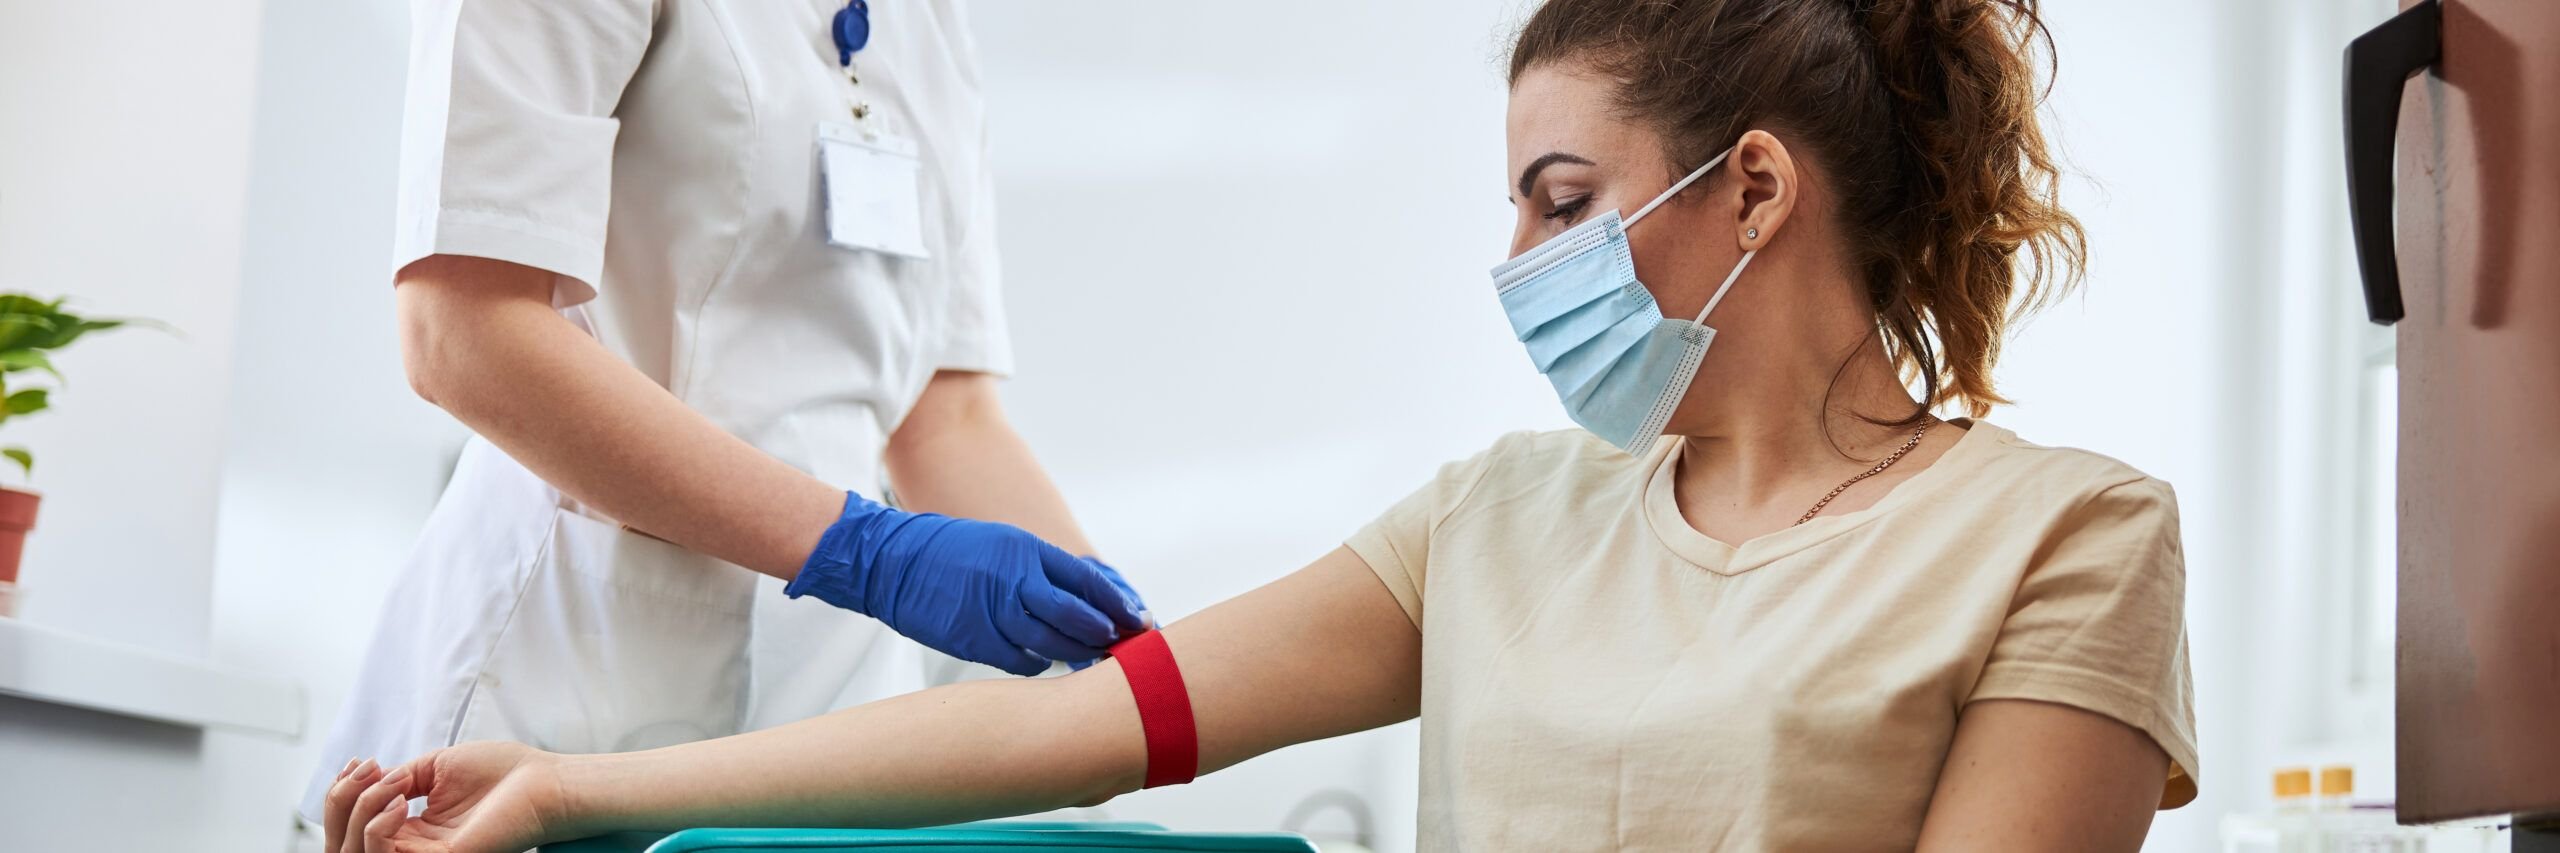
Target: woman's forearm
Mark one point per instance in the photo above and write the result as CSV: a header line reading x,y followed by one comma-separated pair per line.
x,y
481,340
1323,652
965,752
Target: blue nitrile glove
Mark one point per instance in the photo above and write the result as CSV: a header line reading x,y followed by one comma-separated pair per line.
x,y
1144,616
975,590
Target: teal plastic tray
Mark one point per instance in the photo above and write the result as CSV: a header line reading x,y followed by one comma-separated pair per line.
x,y
991,837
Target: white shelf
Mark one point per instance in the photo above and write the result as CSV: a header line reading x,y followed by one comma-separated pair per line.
x,y
52,665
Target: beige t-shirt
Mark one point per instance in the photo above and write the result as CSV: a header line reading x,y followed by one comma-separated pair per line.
x,y
1598,674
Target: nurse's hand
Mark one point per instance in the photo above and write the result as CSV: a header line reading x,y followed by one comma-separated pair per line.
x,y
976,590
1113,575
1146,619
482,797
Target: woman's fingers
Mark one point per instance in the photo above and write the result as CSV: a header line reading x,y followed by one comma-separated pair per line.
x,y
369,805
386,822
334,809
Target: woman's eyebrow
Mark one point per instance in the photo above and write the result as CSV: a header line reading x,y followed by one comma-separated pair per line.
x,y
1529,176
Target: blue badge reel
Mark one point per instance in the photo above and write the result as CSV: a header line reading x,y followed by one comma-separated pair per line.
x,y
852,30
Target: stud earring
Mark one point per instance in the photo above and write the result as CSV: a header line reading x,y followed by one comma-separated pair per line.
x,y
1751,233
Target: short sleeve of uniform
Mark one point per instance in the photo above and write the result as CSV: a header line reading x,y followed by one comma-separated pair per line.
x,y
974,336
1397,546
2099,624
507,145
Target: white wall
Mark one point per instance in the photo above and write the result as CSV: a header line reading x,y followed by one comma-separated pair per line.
x,y
123,158
124,152
331,463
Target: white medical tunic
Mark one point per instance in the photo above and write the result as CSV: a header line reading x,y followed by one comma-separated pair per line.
x,y
660,159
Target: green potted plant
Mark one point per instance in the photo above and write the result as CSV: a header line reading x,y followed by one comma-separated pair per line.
x,y
29,329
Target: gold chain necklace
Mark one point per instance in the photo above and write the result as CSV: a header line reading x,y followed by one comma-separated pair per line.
x,y
1879,469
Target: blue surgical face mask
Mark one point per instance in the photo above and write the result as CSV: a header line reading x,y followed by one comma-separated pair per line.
x,y
1593,329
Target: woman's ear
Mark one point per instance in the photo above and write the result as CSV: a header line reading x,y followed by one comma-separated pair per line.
x,y
1765,175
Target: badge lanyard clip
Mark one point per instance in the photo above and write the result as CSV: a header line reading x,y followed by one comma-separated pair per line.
x,y
852,32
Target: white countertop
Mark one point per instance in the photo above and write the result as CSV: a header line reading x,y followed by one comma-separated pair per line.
x,y
52,665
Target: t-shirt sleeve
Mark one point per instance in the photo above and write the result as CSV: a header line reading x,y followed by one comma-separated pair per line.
x,y
1397,546
507,148
2099,624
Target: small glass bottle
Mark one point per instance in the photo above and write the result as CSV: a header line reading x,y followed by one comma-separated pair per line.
x,y
2337,788
2295,832
2345,826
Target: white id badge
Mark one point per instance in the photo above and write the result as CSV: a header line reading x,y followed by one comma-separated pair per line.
x,y
874,190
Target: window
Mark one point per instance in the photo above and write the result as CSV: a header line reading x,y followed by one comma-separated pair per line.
x,y
2370,620
2327,565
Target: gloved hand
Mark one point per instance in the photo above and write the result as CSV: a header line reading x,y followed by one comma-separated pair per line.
x,y
1145,616
975,590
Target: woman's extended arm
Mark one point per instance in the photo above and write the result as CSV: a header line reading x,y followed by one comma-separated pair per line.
x,y
1323,652
480,339
2031,776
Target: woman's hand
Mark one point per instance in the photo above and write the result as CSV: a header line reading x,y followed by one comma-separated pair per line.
x,y
482,797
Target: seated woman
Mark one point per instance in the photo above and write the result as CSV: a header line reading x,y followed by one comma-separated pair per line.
x,y
1814,617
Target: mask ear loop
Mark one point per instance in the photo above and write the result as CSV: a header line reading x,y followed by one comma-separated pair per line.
x,y
1676,188
1727,285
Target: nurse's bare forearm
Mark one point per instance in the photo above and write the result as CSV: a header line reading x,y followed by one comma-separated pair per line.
x,y
1322,652
480,340
958,455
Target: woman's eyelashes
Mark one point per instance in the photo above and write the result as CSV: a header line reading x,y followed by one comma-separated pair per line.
x,y
1567,210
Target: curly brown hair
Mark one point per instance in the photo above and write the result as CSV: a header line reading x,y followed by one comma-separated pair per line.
x,y
1922,116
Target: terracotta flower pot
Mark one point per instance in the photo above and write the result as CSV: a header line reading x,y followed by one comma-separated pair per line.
x,y
17,516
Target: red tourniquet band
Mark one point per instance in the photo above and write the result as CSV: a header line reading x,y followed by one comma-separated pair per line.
x,y
1164,708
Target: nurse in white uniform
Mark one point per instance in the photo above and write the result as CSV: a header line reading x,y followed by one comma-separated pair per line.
x,y
703,277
